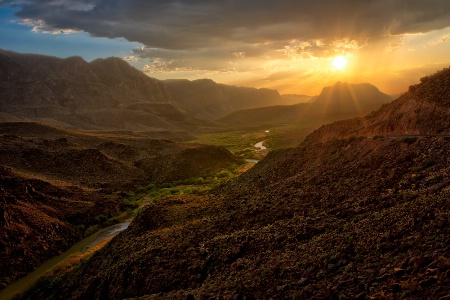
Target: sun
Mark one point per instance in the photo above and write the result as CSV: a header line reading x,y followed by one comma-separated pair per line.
x,y
339,62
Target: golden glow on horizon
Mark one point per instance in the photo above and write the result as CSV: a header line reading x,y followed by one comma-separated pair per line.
x,y
339,62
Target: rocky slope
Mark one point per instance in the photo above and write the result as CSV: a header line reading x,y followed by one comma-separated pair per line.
x,y
423,110
56,182
337,102
103,94
209,100
354,218
41,218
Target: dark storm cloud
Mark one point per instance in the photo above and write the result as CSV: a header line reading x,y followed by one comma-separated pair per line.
x,y
250,27
184,24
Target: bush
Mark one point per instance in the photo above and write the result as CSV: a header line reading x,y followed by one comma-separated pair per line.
x,y
150,187
429,163
199,180
409,140
223,174
101,218
91,230
174,191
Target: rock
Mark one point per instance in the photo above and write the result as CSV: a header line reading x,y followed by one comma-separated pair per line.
x,y
382,271
398,272
189,297
303,281
428,282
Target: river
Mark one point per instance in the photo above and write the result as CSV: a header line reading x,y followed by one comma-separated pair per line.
x,y
260,145
29,280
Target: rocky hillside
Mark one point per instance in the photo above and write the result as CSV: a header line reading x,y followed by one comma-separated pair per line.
x,y
341,101
103,94
41,218
354,218
54,183
423,110
208,100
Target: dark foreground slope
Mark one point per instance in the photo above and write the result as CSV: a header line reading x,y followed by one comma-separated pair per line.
x,y
55,183
355,218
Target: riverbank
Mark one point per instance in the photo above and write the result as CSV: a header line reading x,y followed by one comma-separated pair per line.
x,y
56,269
84,246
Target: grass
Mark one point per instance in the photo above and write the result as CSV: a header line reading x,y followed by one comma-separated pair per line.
x,y
195,185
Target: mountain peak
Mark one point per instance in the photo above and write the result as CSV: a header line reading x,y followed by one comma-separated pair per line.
x,y
348,96
75,59
422,110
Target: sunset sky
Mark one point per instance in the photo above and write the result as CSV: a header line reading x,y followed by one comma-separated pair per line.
x,y
285,44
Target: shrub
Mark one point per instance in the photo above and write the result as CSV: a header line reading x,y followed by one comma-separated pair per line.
x,y
429,162
101,218
223,174
199,180
409,140
174,190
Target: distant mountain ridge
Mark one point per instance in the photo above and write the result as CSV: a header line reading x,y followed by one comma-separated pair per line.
x,y
340,101
344,96
209,100
75,83
102,94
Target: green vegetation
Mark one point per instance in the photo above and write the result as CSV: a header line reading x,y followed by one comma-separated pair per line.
x,y
194,185
132,201
241,143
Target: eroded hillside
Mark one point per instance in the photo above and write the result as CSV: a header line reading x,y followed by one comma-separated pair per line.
x,y
349,218
55,183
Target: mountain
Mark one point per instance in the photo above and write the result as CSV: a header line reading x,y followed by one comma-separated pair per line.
x,y
278,114
290,99
340,101
341,218
72,93
423,110
208,100
56,183
345,97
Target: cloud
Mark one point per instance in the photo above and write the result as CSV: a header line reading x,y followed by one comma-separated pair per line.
x,y
223,34
443,39
40,26
131,58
